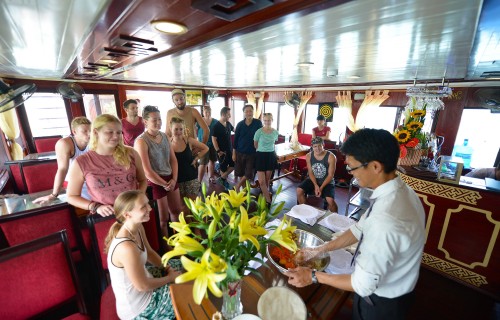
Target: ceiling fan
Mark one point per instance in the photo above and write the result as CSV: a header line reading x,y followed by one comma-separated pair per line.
x,y
212,94
489,99
13,97
70,90
293,101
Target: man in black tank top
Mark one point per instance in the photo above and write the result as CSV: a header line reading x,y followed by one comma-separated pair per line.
x,y
321,169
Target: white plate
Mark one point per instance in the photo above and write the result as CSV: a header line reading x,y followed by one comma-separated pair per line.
x,y
281,303
305,213
247,316
338,223
340,262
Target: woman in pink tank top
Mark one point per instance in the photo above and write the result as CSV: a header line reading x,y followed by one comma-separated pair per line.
x,y
109,168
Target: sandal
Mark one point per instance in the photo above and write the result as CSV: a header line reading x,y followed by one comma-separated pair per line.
x,y
212,180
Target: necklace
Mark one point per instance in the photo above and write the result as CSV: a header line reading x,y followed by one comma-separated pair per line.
x,y
154,136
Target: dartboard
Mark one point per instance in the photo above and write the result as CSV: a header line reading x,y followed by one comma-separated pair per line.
x,y
326,110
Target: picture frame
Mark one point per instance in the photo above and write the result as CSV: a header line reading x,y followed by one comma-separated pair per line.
x,y
194,97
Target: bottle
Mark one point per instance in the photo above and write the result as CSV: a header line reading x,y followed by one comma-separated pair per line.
x,y
465,152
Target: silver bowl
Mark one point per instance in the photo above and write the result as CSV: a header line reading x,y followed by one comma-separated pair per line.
x,y
303,239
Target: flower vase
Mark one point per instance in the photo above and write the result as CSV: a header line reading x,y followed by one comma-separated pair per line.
x,y
231,300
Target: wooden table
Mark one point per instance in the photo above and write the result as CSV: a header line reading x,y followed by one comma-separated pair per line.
x,y
322,301
41,156
15,204
285,153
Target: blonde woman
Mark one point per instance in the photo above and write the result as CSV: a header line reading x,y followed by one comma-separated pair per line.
x,y
109,168
142,292
160,166
182,145
265,162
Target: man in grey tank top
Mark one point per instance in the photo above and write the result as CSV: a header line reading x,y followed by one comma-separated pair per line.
x,y
321,169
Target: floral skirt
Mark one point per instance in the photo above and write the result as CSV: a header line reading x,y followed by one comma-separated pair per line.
x,y
160,306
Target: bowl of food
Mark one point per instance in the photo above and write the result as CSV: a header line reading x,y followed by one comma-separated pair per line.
x,y
283,259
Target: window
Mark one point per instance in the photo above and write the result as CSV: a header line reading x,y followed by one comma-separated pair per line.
x,y
160,99
286,119
337,126
216,104
97,104
483,143
47,115
272,107
383,118
237,112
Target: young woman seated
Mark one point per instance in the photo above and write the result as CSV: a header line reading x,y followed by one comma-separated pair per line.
x,y
141,290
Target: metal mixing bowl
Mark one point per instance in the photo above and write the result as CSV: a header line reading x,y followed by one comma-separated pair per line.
x,y
304,240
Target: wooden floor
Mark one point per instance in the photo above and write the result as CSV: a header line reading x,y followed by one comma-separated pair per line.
x,y
437,296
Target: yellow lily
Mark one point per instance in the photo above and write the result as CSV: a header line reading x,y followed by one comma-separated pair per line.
x,y
249,228
235,198
196,206
203,275
183,244
285,236
181,226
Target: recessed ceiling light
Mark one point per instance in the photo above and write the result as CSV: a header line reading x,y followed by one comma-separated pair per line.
x,y
354,77
305,64
169,27
108,61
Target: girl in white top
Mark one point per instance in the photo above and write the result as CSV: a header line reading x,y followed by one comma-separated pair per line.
x,y
141,292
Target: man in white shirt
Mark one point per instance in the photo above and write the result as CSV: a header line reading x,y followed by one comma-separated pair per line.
x,y
391,234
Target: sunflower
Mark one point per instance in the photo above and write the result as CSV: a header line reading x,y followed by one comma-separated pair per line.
x,y
417,113
403,136
414,125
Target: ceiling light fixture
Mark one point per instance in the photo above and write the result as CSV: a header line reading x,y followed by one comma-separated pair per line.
x,y
354,77
305,64
169,27
108,61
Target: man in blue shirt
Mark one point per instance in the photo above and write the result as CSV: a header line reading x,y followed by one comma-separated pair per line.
x,y
244,150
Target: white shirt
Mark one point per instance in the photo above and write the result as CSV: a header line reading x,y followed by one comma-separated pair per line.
x,y
389,257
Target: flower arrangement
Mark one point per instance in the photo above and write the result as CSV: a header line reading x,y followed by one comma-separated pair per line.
x,y
410,134
233,236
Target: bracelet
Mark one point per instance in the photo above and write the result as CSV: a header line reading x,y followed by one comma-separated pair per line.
x,y
97,205
54,195
89,205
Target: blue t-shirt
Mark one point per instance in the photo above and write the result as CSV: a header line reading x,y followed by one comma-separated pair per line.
x,y
265,140
243,136
211,129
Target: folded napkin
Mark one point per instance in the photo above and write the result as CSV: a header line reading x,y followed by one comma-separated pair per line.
x,y
306,213
336,222
340,262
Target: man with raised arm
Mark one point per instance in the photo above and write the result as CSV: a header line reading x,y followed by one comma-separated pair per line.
x,y
132,124
391,234
188,114
67,149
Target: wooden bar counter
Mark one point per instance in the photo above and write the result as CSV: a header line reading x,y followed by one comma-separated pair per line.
x,y
462,225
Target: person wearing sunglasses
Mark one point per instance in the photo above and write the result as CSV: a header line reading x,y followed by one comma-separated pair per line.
x,y
390,234
321,169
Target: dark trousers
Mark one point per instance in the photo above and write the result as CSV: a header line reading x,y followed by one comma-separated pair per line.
x,y
382,308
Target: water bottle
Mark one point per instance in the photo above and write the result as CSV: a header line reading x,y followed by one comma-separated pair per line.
x,y
465,152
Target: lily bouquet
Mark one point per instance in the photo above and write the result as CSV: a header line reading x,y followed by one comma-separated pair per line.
x,y
410,133
233,228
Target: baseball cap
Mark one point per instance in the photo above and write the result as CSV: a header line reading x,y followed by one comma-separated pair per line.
x,y
177,91
320,117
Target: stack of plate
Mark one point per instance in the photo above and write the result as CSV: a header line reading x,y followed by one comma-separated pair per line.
x,y
306,213
337,223
281,303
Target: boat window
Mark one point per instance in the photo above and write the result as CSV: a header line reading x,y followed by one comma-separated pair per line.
x,y
480,128
47,115
216,104
337,125
97,104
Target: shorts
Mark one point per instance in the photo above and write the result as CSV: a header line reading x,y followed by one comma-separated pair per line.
x,y
225,161
308,187
209,156
245,165
265,161
160,306
159,191
189,188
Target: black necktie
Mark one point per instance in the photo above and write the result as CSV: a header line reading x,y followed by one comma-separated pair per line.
x,y
367,213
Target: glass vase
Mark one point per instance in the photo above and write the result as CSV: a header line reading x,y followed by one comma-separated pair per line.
x,y
231,300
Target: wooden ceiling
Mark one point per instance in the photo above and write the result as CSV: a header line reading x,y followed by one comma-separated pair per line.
x,y
349,43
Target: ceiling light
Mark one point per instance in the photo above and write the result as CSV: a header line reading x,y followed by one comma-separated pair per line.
x,y
169,27
354,77
108,61
305,64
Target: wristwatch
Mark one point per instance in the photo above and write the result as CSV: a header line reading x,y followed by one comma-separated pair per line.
x,y
314,278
